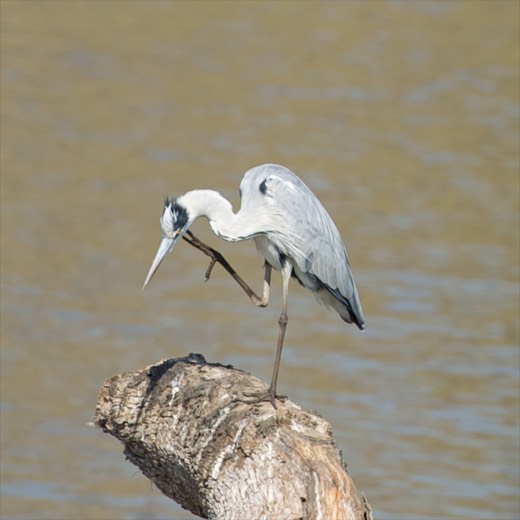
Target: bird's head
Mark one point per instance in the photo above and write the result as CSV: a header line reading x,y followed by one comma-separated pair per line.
x,y
175,221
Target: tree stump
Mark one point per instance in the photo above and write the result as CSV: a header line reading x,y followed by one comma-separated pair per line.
x,y
226,459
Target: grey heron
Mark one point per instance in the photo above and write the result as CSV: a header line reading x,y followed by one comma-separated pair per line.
x,y
292,231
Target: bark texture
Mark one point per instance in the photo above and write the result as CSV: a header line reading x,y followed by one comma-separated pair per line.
x,y
225,459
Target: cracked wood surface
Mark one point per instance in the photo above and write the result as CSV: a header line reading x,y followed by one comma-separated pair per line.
x,y
226,459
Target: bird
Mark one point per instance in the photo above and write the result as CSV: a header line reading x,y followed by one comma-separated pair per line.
x,y
293,232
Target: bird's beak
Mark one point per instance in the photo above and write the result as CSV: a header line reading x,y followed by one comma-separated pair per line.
x,y
165,247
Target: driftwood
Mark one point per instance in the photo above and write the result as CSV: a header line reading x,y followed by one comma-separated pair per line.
x,y
221,458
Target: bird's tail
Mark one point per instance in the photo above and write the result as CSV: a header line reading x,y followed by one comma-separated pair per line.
x,y
349,309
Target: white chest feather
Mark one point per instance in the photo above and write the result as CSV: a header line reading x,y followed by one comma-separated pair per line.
x,y
269,251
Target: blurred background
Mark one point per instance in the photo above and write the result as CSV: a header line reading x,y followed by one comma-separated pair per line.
x,y
401,116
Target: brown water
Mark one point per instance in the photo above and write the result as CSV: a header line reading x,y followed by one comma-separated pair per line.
x,y
401,116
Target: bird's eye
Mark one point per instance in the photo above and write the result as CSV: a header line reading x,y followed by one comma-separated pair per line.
x,y
263,187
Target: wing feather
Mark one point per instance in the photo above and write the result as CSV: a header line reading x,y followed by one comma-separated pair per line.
x,y
303,230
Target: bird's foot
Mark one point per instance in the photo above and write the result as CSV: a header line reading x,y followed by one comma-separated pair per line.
x,y
259,397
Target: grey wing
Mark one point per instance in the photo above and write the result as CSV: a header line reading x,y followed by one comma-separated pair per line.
x,y
313,242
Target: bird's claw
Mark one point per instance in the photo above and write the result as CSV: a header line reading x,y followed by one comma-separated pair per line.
x,y
259,397
207,250
211,265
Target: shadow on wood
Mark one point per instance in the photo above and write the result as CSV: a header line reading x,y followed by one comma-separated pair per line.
x,y
221,458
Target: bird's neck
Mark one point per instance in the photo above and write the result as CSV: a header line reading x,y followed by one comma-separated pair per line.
x,y
218,210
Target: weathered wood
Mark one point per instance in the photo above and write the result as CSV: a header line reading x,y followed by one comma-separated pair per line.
x,y
226,459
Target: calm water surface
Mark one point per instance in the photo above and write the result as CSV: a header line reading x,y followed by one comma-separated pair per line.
x,y
401,116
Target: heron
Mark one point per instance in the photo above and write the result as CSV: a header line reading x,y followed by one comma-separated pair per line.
x,y
292,231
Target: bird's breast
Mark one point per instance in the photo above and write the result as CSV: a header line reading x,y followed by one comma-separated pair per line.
x,y
270,251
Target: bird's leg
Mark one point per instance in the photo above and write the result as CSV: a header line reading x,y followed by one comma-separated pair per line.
x,y
282,323
217,257
262,302
270,395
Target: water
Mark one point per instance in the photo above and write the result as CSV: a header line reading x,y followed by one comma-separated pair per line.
x,y
401,116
